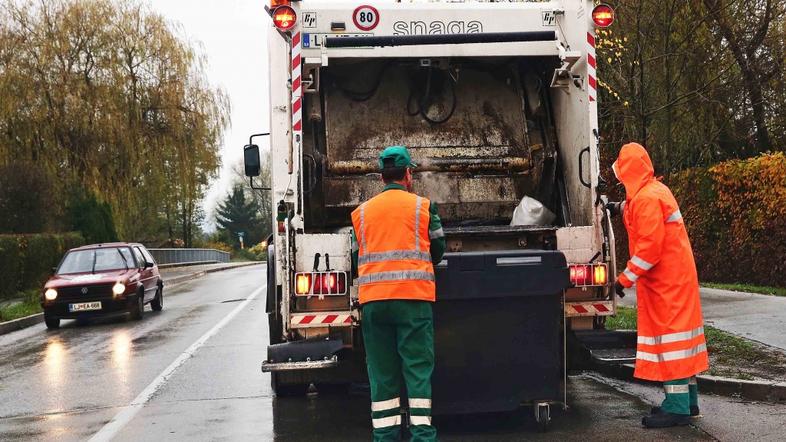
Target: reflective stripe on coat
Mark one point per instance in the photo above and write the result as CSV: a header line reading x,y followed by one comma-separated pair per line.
x,y
394,260
671,342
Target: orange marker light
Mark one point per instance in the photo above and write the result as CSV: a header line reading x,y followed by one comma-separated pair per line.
x,y
303,284
600,276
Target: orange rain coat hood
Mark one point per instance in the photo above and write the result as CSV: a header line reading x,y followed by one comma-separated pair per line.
x,y
670,343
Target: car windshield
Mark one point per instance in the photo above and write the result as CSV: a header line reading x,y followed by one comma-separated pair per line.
x,y
97,260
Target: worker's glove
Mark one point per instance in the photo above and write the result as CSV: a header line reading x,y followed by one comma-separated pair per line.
x,y
619,289
615,208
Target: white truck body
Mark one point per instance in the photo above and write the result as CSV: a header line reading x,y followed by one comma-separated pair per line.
x,y
542,95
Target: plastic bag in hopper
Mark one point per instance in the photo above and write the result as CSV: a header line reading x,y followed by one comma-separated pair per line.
x,y
530,212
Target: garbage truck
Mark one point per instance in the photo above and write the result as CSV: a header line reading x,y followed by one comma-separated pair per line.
x,y
497,103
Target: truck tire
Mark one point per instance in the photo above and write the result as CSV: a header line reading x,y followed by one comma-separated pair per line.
x,y
282,389
272,303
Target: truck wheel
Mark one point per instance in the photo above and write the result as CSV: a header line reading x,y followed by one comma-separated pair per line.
x,y
281,389
137,310
157,304
274,328
51,323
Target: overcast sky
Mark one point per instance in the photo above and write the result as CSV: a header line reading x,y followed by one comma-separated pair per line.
x,y
233,35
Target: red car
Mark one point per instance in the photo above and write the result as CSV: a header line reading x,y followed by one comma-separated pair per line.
x,y
102,280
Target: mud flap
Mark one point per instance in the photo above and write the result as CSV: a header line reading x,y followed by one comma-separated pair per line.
x,y
303,355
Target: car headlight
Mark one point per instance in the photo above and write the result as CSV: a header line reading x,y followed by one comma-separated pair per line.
x,y
119,288
50,294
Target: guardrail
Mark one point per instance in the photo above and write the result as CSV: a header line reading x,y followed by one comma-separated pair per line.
x,y
181,256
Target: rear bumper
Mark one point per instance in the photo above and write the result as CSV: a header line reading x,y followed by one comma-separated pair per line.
x,y
109,307
302,355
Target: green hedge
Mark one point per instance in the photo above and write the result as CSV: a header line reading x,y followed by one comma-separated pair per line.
x,y
26,261
735,212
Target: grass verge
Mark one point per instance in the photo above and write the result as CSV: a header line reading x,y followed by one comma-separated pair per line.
x,y
29,306
748,288
730,356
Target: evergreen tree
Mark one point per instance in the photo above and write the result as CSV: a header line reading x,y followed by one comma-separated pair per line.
x,y
240,214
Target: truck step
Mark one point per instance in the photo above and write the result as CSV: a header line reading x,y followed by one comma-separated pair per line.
x,y
609,346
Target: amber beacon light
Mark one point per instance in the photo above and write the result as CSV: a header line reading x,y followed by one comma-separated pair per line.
x,y
284,18
603,15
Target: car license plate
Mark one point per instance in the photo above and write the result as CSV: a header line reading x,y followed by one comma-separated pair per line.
x,y
84,306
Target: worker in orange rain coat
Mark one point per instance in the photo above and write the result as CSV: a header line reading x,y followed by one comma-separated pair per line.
x,y
670,345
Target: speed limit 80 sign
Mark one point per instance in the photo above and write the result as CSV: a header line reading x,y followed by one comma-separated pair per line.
x,y
366,17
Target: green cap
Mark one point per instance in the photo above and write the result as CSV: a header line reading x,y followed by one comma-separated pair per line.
x,y
400,157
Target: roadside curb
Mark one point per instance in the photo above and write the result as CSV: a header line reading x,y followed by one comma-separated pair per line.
x,y
20,323
761,391
29,321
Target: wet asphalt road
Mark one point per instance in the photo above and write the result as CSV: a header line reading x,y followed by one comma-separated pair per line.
x,y
68,384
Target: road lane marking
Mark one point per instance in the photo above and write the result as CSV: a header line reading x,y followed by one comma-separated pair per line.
x,y
122,418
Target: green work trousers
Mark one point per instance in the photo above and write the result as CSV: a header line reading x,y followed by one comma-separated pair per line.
x,y
399,340
681,394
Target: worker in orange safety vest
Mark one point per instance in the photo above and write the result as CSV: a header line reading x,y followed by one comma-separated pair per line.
x,y
670,344
397,239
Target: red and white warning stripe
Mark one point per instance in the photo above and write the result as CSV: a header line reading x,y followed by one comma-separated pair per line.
x,y
596,308
322,319
592,65
297,92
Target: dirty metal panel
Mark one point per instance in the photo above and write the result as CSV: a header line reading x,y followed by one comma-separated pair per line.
x,y
336,246
475,165
488,122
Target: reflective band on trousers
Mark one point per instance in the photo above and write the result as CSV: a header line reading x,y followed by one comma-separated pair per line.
x,y
676,216
420,403
403,275
386,405
676,389
384,422
394,255
420,420
671,337
434,234
671,355
644,265
632,276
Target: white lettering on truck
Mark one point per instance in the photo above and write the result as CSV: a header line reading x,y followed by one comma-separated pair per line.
x,y
437,27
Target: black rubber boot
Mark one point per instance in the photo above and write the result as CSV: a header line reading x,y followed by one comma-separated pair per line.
x,y
665,420
694,410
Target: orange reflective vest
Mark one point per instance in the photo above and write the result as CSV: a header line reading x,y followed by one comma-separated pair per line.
x,y
394,261
670,342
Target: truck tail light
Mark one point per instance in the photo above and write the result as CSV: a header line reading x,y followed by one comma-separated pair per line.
x,y
276,3
586,275
603,15
321,283
284,17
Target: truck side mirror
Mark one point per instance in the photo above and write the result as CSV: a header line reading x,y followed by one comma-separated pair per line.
x,y
251,160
